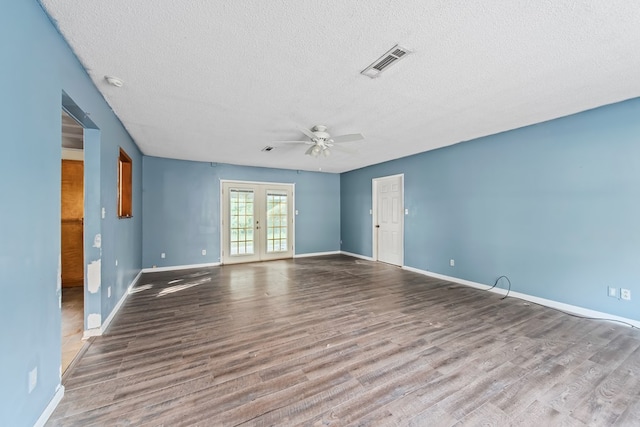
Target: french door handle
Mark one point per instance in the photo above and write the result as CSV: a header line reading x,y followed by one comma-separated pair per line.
x,y
377,226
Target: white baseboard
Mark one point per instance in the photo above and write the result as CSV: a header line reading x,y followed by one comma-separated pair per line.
x,y
455,280
96,332
107,321
179,267
93,332
573,309
53,404
316,254
368,258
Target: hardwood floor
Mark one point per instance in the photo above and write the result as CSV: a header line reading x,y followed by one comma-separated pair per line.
x,y
336,341
72,324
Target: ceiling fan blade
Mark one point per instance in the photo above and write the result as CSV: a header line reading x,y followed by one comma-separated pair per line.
x,y
343,149
308,152
308,133
293,142
348,138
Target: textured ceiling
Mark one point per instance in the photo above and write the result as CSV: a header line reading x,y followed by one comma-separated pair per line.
x,y
219,80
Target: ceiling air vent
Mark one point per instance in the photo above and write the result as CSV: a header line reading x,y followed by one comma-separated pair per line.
x,y
267,148
391,57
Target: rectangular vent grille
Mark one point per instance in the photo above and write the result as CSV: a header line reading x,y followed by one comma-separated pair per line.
x,y
385,62
392,56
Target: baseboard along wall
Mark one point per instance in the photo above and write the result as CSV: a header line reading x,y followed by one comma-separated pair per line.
x,y
568,308
367,258
179,267
53,404
316,254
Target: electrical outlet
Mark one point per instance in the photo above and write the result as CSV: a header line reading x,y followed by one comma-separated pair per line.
x,y
625,294
452,262
204,252
612,292
162,255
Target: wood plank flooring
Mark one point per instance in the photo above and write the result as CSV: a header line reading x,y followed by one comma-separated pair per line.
x,y
72,324
339,341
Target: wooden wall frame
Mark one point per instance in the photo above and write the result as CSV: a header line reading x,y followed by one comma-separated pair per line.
x,y
125,193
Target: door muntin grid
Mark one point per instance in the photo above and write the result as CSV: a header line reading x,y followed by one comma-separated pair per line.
x,y
242,216
277,221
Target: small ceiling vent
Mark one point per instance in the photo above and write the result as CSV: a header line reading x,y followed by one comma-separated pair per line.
x,y
267,148
391,57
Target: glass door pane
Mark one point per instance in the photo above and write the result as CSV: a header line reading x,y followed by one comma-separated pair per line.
x,y
277,221
241,219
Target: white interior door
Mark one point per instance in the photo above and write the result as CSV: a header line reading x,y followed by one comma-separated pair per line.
x,y
257,222
389,219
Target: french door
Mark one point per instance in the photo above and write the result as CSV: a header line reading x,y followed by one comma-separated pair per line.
x,y
257,222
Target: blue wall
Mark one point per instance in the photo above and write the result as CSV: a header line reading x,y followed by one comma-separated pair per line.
x,y
37,66
181,204
555,206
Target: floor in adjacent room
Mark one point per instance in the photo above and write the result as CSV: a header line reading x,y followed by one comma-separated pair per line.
x,y
72,324
336,340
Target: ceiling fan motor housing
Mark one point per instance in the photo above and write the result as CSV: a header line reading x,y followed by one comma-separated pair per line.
x,y
321,133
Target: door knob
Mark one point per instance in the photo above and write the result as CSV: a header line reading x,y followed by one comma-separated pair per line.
x,y
377,226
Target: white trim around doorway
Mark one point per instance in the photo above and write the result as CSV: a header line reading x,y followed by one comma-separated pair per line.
x,y
374,214
240,182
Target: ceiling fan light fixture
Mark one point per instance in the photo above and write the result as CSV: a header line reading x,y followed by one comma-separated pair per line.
x,y
320,141
315,151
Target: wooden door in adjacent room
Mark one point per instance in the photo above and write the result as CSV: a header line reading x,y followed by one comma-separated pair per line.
x,y
72,215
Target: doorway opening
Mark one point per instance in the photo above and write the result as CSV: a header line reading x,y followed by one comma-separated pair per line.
x,y
72,238
257,221
388,219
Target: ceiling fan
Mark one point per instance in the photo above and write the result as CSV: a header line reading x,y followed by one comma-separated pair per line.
x,y
321,141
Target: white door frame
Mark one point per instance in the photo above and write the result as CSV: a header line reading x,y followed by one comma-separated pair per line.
x,y
239,182
374,213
